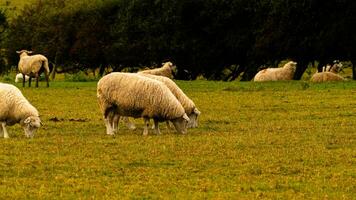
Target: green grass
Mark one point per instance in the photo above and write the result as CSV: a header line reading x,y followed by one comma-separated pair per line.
x,y
286,140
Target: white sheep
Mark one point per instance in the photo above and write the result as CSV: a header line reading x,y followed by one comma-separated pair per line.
x,y
166,70
132,95
19,78
277,74
325,77
32,66
14,108
190,109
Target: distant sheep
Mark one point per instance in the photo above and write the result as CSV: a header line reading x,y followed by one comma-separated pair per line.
x,y
190,109
132,95
335,68
15,108
32,66
166,70
19,78
326,77
277,74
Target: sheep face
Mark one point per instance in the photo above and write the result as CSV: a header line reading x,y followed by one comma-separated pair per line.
x,y
291,65
193,119
30,125
181,123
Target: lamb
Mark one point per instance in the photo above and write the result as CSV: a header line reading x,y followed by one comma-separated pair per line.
x,y
32,66
277,74
166,70
14,108
325,76
190,109
19,78
131,95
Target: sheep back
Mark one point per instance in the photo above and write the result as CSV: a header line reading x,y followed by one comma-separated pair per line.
x,y
186,102
277,74
32,64
136,96
165,70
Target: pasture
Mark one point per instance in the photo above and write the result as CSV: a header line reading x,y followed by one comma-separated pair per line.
x,y
285,140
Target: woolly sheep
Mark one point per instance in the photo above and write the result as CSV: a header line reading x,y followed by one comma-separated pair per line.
x,y
14,108
325,76
190,109
131,95
166,70
277,74
19,78
32,66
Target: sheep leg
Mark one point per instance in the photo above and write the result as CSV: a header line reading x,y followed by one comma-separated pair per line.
x,y
147,124
47,78
168,125
158,132
6,135
23,80
37,77
115,123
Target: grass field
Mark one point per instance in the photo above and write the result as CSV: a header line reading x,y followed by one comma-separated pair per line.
x,y
287,140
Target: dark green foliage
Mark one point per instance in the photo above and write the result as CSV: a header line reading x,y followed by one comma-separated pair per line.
x,y
219,39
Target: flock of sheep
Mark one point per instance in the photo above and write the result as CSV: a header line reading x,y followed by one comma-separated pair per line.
x,y
148,94
329,73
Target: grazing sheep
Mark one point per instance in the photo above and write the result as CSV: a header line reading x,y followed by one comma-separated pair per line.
x,y
187,103
325,77
32,66
166,70
19,78
132,95
277,74
14,108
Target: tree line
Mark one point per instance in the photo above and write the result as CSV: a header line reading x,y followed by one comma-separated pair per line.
x,y
218,39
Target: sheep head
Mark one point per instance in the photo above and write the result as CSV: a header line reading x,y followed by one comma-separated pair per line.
x,y
336,68
181,123
291,65
193,118
30,125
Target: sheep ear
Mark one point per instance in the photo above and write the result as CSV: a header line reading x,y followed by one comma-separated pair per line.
x,y
29,51
27,120
185,116
196,111
18,52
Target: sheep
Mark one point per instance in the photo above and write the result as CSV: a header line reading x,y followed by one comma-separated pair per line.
x,y
32,66
131,95
325,76
190,109
19,78
277,74
335,68
166,70
14,108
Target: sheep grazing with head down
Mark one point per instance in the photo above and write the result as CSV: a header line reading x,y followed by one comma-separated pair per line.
x,y
14,108
132,95
32,66
190,109
166,70
277,74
